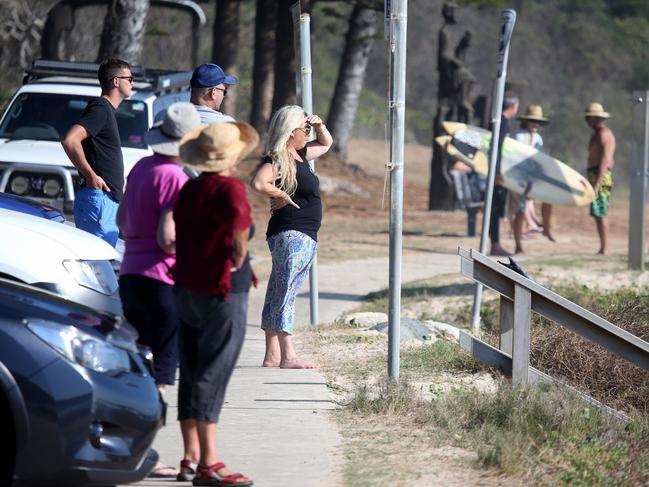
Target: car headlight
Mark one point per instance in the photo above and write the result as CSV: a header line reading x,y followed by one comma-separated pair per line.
x,y
82,348
93,274
19,185
52,188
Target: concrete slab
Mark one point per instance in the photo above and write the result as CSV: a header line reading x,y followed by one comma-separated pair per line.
x,y
276,425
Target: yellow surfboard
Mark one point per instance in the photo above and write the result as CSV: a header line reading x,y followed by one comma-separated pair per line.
x,y
525,170
478,161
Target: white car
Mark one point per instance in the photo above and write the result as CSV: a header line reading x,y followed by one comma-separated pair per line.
x,y
51,100
60,258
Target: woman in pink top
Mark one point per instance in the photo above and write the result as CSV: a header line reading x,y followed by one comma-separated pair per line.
x,y
146,221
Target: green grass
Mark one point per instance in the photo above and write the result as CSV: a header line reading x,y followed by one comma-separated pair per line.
x,y
440,356
548,435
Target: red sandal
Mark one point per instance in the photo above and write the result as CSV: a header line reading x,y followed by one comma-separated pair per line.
x,y
207,476
187,471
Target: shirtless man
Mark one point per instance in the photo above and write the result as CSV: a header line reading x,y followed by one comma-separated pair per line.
x,y
600,163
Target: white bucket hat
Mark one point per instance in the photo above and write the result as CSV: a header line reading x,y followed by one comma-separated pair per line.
x,y
164,137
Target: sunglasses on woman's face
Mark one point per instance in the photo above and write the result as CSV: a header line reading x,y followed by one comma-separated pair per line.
x,y
306,130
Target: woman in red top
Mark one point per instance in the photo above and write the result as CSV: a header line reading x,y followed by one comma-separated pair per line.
x,y
212,218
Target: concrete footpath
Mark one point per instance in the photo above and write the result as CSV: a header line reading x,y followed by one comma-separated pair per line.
x,y
276,426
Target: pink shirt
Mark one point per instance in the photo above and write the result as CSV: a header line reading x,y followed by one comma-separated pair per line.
x,y
152,187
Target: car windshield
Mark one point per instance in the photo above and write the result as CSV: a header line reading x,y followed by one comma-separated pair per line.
x,y
48,116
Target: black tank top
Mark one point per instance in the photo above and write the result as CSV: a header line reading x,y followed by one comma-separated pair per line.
x,y
308,217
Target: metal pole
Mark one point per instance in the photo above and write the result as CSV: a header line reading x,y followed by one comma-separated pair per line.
x,y
508,21
638,181
398,32
302,26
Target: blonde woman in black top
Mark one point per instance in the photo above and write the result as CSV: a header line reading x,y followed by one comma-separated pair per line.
x,y
286,177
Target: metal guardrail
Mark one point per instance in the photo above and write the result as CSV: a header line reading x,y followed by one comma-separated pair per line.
x,y
520,296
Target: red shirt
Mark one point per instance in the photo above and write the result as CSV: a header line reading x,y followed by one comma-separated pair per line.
x,y
209,210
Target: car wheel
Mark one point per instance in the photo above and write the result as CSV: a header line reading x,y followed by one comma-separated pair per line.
x,y
7,443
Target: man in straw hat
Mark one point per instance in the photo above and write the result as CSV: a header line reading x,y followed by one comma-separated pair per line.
x,y
212,218
523,209
601,149
146,221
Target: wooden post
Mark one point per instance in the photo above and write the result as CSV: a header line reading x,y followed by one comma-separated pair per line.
x,y
521,352
506,324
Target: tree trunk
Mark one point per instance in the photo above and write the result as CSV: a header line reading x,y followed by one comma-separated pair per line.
x,y
59,23
263,69
225,45
123,33
344,103
284,89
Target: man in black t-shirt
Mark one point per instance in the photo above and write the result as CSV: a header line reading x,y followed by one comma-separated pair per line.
x,y
499,200
94,147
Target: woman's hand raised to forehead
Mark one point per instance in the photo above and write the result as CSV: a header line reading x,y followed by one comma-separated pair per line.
x,y
314,121
322,141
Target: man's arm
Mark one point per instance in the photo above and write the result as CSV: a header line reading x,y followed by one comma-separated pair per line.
x,y
72,146
607,144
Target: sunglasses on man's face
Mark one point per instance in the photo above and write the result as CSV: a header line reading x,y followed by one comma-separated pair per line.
x,y
224,90
127,78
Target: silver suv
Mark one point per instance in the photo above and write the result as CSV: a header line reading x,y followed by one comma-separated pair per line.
x,y
52,98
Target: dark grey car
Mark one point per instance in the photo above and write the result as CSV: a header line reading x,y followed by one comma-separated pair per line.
x,y
78,405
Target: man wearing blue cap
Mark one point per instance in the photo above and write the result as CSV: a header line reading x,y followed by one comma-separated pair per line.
x,y
209,86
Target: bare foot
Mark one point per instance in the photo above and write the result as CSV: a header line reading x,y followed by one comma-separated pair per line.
x,y
550,237
270,363
297,363
519,251
499,251
602,252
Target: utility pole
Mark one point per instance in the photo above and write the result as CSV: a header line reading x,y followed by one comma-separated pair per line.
x,y
397,10
508,21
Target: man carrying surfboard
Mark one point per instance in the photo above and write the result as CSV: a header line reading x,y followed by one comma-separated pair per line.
x,y
499,201
601,149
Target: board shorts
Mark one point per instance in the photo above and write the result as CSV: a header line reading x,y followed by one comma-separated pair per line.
x,y
599,205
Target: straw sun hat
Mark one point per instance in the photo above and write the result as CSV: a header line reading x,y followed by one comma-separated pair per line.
x,y
534,113
218,146
596,110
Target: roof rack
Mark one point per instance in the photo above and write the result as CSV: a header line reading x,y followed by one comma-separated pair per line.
x,y
161,80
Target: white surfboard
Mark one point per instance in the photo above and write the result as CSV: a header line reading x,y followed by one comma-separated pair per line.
x,y
525,170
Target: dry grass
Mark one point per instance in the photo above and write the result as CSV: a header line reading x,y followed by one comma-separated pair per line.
x,y
493,435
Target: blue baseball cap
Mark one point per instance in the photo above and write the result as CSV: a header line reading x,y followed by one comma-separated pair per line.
x,y
208,75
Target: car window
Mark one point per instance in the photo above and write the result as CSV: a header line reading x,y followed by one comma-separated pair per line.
x,y
48,116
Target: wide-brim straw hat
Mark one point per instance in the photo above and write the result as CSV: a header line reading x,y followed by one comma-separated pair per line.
x,y
164,137
596,110
218,146
534,113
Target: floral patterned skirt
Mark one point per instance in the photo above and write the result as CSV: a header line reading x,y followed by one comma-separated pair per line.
x,y
293,253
